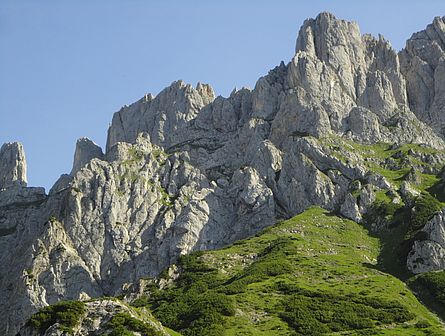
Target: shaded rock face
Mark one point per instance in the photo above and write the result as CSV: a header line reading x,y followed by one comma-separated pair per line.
x,y
429,254
12,165
186,170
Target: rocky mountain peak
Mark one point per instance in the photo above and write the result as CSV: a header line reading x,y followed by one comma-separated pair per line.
x,y
86,150
12,165
172,109
330,39
423,65
336,70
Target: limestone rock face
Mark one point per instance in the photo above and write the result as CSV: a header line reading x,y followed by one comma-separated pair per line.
x,y
86,150
340,68
186,170
339,81
12,165
423,65
429,254
350,208
161,116
21,212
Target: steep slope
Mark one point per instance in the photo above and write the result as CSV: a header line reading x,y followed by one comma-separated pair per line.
x,y
186,171
313,274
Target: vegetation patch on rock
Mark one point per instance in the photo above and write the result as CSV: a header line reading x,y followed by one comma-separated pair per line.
x,y
66,313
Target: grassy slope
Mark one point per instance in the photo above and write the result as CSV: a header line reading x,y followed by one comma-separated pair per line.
x,y
324,263
396,242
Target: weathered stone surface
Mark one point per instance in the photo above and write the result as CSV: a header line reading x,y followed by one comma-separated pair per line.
x,y
86,150
429,254
423,65
364,123
161,116
350,208
12,165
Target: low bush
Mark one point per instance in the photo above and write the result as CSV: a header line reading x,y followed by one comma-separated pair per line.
x,y
67,313
434,283
123,324
317,313
193,311
425,207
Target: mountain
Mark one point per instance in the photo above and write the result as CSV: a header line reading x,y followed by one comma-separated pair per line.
x,y
310,275
348,126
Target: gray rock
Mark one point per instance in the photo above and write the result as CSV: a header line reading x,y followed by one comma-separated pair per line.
x,y
161,116
423,66
367,198
408,191
12,165
86,150
350,208
365,124
429,254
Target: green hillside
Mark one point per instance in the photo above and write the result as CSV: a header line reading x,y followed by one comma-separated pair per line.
x,y
313,274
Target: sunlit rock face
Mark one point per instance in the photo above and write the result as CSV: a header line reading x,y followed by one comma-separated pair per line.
x,y
423,65
12,165
86,150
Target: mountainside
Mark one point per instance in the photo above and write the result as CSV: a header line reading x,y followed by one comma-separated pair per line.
x,y
313,274
348,125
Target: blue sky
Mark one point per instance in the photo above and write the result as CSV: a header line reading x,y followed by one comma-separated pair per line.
x,y
67,66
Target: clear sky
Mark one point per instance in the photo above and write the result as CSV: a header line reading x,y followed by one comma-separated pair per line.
x,y
67,66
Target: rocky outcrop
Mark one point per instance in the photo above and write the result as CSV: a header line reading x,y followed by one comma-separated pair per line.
x,y
338,81
104,315
12,165
423,65
21,212
86,150
186,170
340,69
162,117
429,254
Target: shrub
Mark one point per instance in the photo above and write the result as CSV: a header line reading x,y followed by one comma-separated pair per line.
x,y
434,283
193,311
123,324
315,313
423,324
425,207
67,313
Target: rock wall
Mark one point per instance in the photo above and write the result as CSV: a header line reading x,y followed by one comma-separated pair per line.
x,y
429,254
423,65
12,165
